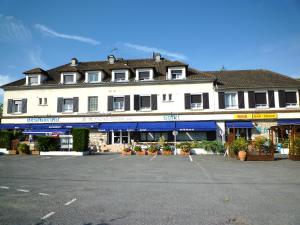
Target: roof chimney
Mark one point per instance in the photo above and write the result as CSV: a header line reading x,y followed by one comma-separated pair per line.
x,y
74,62
111,59
156,57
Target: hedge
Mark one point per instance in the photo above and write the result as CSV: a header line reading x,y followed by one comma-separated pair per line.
x,y
80,139
46,143
5,139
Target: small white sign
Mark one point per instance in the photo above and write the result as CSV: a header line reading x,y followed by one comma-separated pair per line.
x,y
175,132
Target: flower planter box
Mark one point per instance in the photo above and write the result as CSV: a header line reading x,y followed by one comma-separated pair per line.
x,y
4,151
62,153
13,152
140,153
34,152
294,157
184,153
126,153
167,152
152,153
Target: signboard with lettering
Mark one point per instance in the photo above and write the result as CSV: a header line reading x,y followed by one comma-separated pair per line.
x,y
171,117
255,116
242,116
43,120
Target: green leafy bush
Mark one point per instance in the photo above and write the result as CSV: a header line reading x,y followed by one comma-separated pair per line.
x,y
80,139
239,144
5,139
297,146
212,146
24,148
167,148
184,146
137,148
259,142
45,143
153,148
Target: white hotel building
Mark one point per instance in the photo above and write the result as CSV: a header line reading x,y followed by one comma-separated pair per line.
x,y
125,101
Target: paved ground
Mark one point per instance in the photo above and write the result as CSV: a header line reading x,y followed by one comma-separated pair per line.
x,y
138,190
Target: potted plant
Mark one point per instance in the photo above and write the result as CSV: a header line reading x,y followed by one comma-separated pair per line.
x,y
138,150
23,149
167,150
259,142
127,151
185,148
240,146
152,150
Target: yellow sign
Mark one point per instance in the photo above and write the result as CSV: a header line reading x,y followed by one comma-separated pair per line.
x,y
265,116
255,116
242,116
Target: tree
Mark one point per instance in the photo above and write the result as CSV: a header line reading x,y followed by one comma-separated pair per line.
x,y
1,110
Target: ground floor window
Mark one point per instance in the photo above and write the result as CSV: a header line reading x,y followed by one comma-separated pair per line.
x,y
120,137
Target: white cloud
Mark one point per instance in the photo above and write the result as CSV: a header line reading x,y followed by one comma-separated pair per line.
x,y
4,79
48,31
143,48
34,56
12,29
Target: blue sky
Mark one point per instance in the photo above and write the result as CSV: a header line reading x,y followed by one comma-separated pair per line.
x,y
240,34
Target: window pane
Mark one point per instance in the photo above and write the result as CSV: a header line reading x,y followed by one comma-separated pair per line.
x,y
33,80
119,76
144,75
17,107
291,97
40,101
45,101
170,97
176,74
230,100
93,104
93,77
68,105
196,99
68,78
145,101
260,98
164,97
118,103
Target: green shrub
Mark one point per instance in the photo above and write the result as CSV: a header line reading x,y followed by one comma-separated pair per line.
x,y
45,143
137,148
297,146
239,144
5,139
153,148
167,148
80,139
184,146
24,148
212,146
259,142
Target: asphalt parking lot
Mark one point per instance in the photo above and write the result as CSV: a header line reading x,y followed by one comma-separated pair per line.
x,y
138,190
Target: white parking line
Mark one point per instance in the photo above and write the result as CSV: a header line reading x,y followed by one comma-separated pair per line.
x,y
44,194
47,157
70,202
22,190
4,187
153,157
115,158
47,216
191,159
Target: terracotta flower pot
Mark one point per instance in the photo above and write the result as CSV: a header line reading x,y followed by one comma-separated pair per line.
x,y
13,152
184,153
242,155
35,152
126,153
152,153
167,152
140,153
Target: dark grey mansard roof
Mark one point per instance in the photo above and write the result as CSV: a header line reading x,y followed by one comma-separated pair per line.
x,y
225,79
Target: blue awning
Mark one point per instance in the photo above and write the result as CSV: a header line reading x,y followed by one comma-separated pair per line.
x,y
156,126
106,127
80,125
14,126
196,126
289,122
239,124
46,131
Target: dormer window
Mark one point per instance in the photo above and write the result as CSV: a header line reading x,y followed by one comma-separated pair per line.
x,y
93,77
176,73
120,75
33,80
144,74
68,78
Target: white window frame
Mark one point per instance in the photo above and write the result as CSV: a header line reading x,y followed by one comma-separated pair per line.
x,y
140,102
201,104
119,96
292,105
267,100
99,76
183,75
236,99
89,97
137,78
38,76
62,80
120,71
69,110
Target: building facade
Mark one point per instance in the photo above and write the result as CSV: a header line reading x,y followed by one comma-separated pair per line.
x,y
125,101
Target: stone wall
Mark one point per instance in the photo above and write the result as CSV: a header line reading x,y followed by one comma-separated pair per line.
x,y
262,128
97,139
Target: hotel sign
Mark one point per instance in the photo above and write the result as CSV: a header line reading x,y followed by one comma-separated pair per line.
x,y
255,116
43,120
171,117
